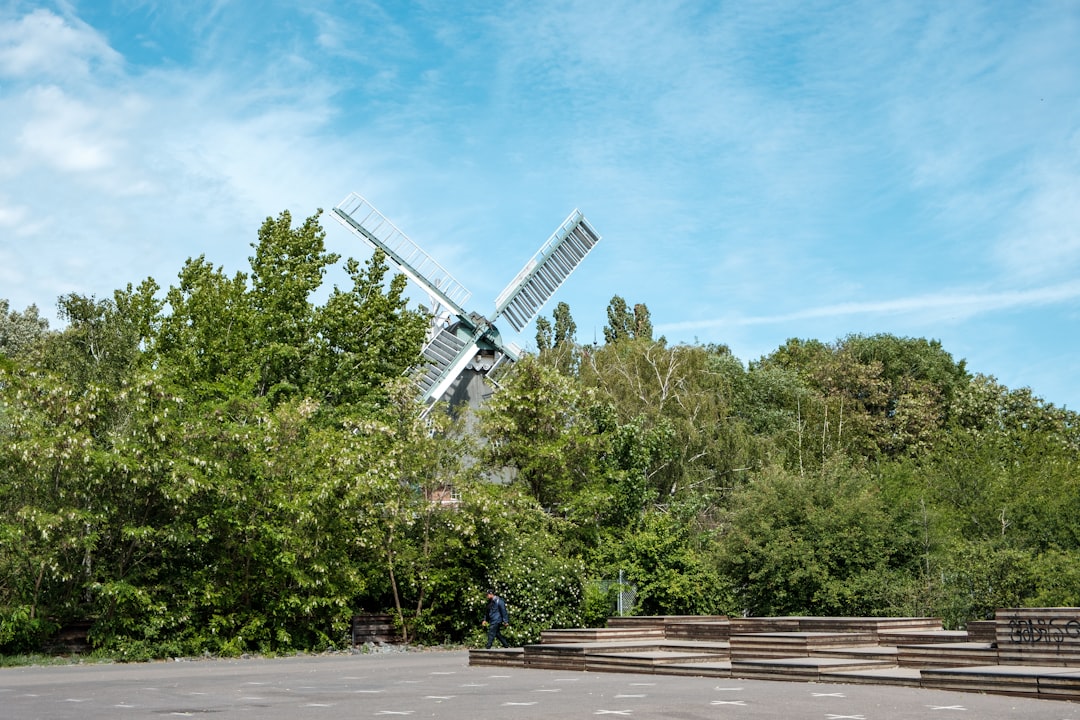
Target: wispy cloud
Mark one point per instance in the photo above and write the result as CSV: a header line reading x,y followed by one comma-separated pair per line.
x,y
943,306
45,46
757,169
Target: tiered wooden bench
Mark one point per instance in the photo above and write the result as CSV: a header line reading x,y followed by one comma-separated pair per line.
x,y
1038,655
1030,652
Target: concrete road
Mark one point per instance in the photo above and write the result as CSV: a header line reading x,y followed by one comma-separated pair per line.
x,y
439,684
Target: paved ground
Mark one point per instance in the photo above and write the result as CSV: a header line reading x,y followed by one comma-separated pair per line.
x,y
442,685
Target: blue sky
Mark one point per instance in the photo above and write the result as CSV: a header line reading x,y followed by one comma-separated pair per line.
x,y
758,170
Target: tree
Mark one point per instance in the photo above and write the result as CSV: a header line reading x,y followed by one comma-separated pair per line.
x,y
20,331
689,394
539,425
366,334
104,339
207,339
544,339
565,329
287,268
557,342
624,324
620,322
821,544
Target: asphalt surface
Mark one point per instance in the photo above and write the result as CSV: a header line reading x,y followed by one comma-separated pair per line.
x,y
439,684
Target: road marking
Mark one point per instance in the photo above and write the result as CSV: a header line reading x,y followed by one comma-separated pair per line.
x,y
846,717
840,695
498,676
548,690
612,712
446,672
474,685
394,712
631,696
740,703
318,705
439,697
76,699
367,691
566,679
523,704
946,707
122,705
642,684
724,688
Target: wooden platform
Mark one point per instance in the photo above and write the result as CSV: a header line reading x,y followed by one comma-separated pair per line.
x,y
1038,636
946,655
807,669
1049,682
1033,652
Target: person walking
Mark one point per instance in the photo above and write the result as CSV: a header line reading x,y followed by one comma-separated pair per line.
x,y
495,619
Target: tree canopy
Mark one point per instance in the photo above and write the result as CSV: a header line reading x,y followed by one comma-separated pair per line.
x,y
237,462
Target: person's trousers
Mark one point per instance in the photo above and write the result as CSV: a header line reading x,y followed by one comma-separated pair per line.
x,y
494,631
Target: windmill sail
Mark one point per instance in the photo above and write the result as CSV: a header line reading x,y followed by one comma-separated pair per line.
x,y
546,271
465,345
361,217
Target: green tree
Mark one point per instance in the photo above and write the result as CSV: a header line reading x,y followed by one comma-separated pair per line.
x,y
20,331
624,323
287,268
365,335
818,544
538,424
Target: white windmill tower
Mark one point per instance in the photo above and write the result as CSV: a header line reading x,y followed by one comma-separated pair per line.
x,y
464,346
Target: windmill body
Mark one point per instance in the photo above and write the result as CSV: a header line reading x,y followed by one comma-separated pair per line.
x,y
464,346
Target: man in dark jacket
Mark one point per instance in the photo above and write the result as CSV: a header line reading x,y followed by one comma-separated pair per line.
x,y
495,619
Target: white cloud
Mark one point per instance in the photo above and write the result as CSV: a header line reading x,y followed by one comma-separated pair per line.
x,y
42,45
1043,240
940,306
64,132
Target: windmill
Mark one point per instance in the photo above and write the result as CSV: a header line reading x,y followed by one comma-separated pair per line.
x,y
462,346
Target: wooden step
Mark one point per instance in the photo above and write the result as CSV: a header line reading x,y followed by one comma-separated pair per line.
x,y
896,676
946,655
750,625
721,669
982,631
799,669
661,620
1023,680
604,634
812,623
713,630
921,637
869,624
718,648
1038,636
511,657
794,644
643,661
862,652
1060,685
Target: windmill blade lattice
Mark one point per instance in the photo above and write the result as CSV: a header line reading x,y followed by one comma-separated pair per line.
x,y
546,271
461,341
